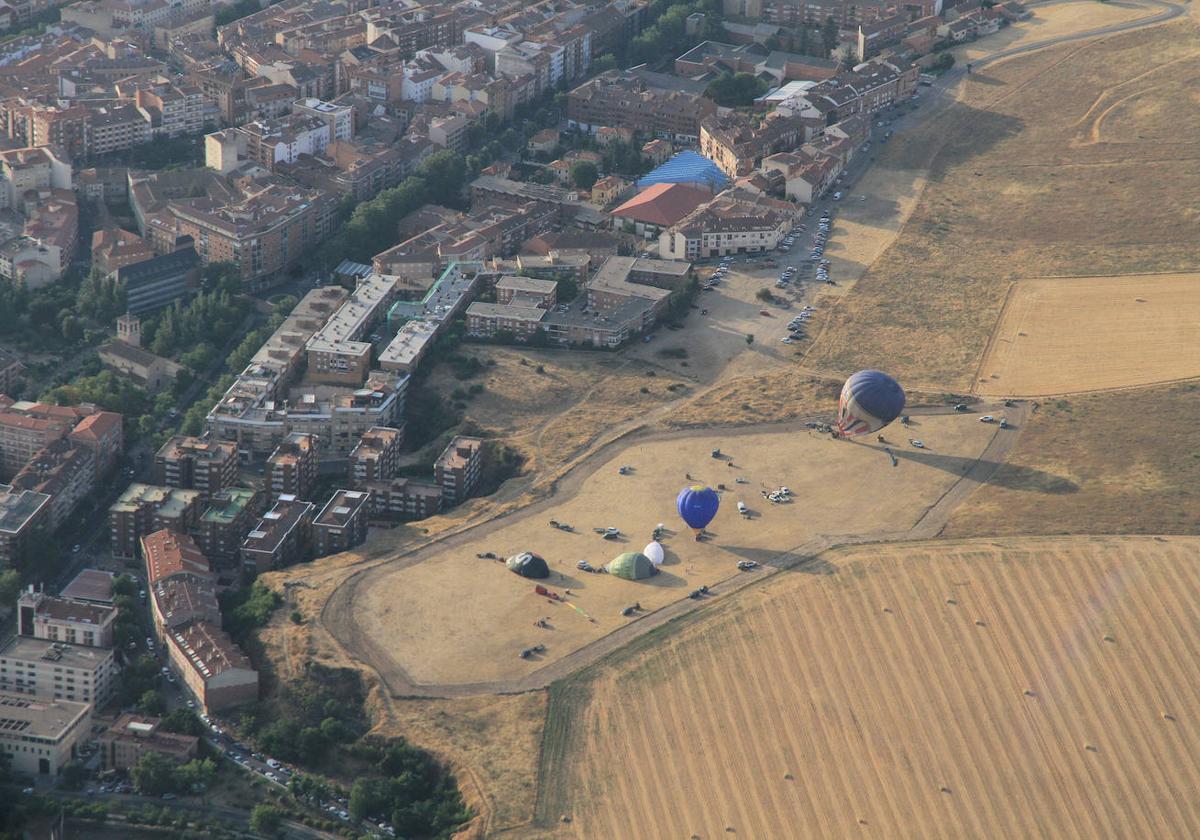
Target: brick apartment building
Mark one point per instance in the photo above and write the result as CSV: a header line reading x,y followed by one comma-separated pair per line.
x,y
621,99
196,463
230,515
143,509
458,468
342,523
292,468
282,537
403,499
376,456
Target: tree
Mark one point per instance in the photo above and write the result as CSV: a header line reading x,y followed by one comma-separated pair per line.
x,y
151,703
154,774
445,175
830,36
734,90
184,722
584,174
749,338
197,772
266,820
10,586
74,774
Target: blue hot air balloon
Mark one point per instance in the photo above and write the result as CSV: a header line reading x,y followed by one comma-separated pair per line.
x,y
697,506
870,400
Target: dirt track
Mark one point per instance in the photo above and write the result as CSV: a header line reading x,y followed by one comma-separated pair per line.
x,y
341,610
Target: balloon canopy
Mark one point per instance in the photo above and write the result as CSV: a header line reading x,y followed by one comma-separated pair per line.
x,y
870,400
527,564
654,553
632,565
697,505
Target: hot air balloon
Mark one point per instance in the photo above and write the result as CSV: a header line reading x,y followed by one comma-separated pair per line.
x,y
697,506
870,400
654,552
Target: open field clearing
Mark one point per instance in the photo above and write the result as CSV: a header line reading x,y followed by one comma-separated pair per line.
x,y
1014,192
1019,688
1066,334
1055,20
455,618
1129,462
715,342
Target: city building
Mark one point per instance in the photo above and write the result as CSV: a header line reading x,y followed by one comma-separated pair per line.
x,y
145,369
342,523
40,736
282,537
151,284
732,223
292,468
42,616
90,586
230,515
21,512
167,553
458,468
657,207
337,352
376,456
212,667
63,471
143,509
132,736
624,99
402,499
57,670
196,463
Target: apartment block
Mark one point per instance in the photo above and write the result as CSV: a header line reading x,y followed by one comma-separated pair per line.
x,y
40,736
342,523
131,736
458,468
196,463
213,668
292,468
145,508
623,99
42,616
402,499
376,456
57,671
230,515
282,537
21,513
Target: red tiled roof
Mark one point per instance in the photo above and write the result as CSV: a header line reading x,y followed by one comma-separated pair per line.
x,y
663,204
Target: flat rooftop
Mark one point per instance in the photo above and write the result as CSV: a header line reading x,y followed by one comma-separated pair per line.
x,y
25,717
95,585
80,657
18,507
227,505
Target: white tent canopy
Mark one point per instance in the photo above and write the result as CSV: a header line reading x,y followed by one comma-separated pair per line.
x,y
654,553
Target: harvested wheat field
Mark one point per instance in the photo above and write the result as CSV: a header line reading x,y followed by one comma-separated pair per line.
x,y
1059,335
1069,161
1020,688
450,617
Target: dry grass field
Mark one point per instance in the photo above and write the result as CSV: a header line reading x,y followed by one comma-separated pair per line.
x,y
1022,183
1128,462
454,618
1024,688
1060,335
1055,20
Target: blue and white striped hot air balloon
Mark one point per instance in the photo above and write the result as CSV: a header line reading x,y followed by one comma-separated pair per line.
x,y
870,400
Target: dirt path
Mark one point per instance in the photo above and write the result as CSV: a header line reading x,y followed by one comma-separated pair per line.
x,y
339,613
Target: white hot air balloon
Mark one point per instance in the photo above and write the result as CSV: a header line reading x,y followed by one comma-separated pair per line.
x,y
654,552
